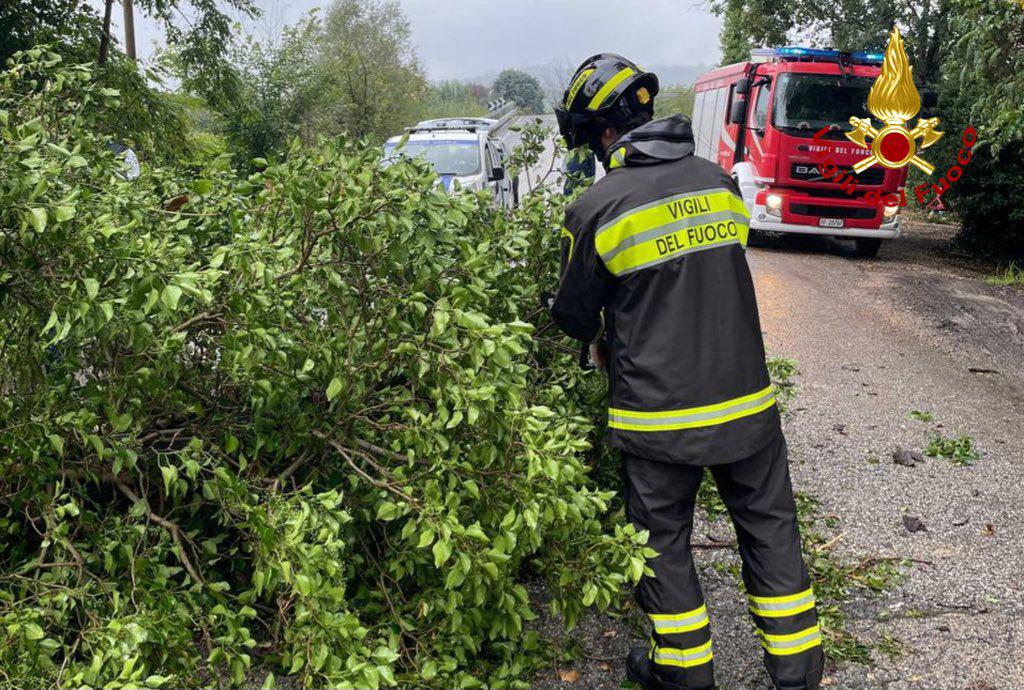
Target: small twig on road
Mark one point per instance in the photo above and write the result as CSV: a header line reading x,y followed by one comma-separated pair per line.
x,y
830,543
713,544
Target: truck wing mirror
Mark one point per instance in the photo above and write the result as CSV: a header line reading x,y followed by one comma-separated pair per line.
x,y
743,86
739,112
497,175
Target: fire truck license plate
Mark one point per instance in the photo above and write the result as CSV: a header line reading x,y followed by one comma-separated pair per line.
x,y
830,222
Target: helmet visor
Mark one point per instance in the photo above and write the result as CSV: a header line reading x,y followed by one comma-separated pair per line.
x,y
573,127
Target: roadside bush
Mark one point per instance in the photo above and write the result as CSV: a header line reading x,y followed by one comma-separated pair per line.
x,y
303,416
982,84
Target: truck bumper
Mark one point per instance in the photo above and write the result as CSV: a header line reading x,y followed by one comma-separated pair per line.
x,y
760,220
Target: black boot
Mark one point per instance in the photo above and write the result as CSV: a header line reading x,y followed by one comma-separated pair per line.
x,y
639,670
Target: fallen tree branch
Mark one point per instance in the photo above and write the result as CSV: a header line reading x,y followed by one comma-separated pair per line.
x,y
384,452
381,484
176,533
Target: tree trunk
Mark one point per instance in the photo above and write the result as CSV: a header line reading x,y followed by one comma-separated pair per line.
x,y
105,34
129,29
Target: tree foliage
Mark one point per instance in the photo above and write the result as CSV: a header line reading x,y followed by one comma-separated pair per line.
x,y
520,87
352,70
309,416
984,80
845,25
455,98
674,99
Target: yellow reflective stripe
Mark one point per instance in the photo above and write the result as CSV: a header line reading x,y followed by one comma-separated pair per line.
x,y
618,158
576,86
609,86
572,243
782,606
793,643
667,228
684,658
662,212
692,417
666,623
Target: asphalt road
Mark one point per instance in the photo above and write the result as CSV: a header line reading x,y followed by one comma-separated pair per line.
x,y
915,329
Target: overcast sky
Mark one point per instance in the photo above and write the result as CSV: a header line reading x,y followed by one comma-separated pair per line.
x,y
461,39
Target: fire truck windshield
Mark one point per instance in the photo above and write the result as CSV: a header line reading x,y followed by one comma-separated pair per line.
x,y
804,103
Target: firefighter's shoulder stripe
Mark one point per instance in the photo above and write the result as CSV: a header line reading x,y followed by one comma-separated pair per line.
x,y
673,226
692,417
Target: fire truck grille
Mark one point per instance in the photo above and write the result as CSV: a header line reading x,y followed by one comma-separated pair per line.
x,y
821,211
809,172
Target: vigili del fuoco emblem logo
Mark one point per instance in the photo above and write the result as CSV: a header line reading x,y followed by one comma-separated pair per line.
x,y
894,100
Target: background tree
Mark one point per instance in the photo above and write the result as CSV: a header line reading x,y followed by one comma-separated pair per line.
x,y
200,42
454,98
674,99
520,87
367,65
844,25
352,70
982,87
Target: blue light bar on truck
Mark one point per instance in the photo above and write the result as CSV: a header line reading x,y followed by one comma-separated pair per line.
x,y
798,53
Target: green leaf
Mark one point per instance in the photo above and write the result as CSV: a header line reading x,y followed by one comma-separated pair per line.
x,y
170,296
57,443
64,213
442,551
269,683
170,475
92,287
77,162
333,388
37,218
33,631
108,310
387,511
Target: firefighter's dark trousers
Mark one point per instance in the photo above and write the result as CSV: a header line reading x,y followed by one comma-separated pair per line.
x,y
757,492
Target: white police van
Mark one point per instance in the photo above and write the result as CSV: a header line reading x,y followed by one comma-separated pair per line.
x,y
462,153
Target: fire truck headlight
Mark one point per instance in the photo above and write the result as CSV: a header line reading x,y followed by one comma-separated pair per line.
x,y
889,212
773,204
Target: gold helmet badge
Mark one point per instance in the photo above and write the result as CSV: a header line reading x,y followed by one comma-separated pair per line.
x,y
894,100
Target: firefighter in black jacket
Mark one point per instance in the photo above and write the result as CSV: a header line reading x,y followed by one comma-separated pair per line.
x,y
654,274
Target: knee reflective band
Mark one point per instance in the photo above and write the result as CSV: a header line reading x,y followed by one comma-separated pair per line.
x,y
686,658
794,643
779,607
667,228
688,418
667,623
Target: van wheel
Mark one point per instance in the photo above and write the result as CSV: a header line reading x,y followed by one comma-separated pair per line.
x,y
867,247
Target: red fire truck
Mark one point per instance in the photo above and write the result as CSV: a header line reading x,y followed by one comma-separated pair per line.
x,y
758,120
